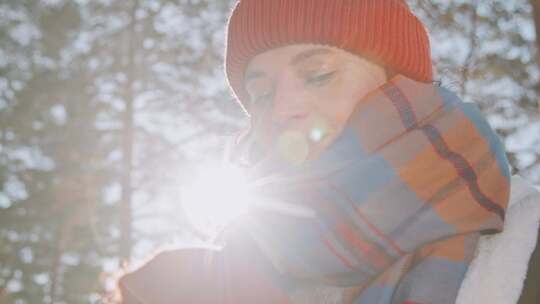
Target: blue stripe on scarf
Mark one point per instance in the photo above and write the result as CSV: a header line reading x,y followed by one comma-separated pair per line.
x,y
413,288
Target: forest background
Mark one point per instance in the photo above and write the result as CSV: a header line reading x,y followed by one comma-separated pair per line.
x,y
107,106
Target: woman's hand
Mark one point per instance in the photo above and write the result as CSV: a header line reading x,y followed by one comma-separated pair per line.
x,y
236,274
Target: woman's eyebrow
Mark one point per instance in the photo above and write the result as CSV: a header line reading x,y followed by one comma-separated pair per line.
x,y
307,54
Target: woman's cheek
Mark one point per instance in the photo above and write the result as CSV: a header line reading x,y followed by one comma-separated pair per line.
x,y
335,110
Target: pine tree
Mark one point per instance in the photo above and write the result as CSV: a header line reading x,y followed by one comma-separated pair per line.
x,y
54,164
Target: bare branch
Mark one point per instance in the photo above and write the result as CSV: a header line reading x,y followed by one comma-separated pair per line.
x,y
473,40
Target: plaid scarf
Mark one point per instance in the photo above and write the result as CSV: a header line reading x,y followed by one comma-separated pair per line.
x,y
393,209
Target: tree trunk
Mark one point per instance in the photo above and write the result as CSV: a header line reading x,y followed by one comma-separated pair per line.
x,y
55,276
126,217
536,17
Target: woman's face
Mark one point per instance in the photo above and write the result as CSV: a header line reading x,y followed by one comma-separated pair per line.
x,y
301,96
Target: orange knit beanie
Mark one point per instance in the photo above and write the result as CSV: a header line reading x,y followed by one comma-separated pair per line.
x,y
383,31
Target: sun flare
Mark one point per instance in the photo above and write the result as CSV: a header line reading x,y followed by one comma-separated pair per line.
x,y
216,196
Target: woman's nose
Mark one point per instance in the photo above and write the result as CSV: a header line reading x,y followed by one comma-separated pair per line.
x,y
289,103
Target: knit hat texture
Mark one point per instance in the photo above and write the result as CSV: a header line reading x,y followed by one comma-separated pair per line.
x,y
383,31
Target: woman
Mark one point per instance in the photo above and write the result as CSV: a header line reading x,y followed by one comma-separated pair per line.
x,y
389,181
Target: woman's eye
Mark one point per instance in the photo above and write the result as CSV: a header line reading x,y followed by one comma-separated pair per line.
x,y
320,79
